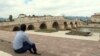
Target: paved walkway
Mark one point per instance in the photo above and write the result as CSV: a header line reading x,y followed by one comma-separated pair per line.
x,y
53,46
94,37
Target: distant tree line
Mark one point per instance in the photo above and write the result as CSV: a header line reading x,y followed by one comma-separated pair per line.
x,y
79,17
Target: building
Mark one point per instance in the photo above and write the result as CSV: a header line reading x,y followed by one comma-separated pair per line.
x,y
95,18
21,16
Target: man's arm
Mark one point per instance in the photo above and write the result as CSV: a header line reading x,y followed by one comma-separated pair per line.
x,y
27,39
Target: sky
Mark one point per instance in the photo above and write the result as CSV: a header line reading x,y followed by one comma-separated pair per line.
x,y
49,7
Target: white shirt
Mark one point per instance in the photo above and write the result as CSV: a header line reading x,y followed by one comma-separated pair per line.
x,y
19,39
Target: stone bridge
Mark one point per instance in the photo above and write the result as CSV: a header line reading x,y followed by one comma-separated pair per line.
x,y
38,23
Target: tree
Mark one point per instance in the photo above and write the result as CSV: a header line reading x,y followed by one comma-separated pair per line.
x,y
10,17
33,15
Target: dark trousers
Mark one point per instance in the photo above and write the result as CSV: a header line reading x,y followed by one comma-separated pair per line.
x,y
27,46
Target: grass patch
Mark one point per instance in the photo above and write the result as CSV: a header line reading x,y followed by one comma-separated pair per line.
x,y
79,33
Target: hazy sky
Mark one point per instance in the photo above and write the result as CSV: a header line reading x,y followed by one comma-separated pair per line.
x,y
51,7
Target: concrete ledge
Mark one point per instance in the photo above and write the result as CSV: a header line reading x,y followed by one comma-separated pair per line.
x,y
4,54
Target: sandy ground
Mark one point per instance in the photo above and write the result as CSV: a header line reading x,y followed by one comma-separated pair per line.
x,y
94,37
52,46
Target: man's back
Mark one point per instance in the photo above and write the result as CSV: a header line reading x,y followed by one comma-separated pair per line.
x,y
19,39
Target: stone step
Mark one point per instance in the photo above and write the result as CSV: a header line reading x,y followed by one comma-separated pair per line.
x,y
2,53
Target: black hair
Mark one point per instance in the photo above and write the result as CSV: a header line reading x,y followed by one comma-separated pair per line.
x,y
23,27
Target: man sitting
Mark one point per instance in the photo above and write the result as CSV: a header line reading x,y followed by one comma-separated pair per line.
x,y
21,43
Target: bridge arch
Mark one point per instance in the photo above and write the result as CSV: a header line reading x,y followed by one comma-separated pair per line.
x,y
72,25
30,27
16,28
43,26
65,25
55,25
76,23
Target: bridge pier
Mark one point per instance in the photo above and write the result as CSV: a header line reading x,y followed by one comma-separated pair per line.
x,y
36,26
49,25
61,25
